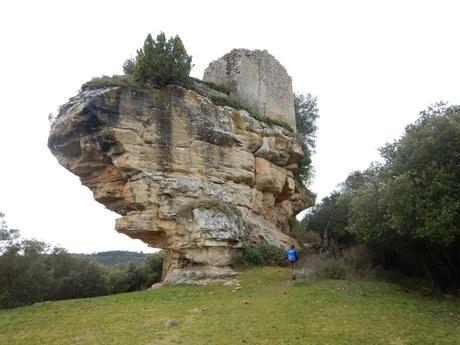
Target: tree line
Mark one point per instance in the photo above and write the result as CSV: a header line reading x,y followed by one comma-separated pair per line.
x,y
116,257
32,271
406,210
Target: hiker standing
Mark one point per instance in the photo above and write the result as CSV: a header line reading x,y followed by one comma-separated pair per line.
x,y
292,258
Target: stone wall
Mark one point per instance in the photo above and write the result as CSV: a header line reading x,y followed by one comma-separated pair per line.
x,y
258,79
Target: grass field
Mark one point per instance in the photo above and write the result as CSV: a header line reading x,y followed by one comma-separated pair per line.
x,y
269,309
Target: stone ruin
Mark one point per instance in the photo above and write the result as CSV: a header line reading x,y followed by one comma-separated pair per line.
x,y
257,79
198,180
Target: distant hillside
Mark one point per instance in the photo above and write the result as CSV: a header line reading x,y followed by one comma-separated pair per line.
x,y
116,257
266,309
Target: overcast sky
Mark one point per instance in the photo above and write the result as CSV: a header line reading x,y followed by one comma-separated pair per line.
x,y
373,65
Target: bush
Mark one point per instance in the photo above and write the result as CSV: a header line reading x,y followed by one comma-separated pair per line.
x,y
30,272
312,237
305,172
218,87
132,277
153,268
407,210
236,104
106,81
333,269
320,266
162,61
118,280
300,233
128,66
231,102
260,255
306,114
358,258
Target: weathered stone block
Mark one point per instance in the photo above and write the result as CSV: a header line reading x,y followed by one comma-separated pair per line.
x,y
257,79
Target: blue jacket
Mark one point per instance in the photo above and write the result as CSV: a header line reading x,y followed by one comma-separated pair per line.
x,y
292,255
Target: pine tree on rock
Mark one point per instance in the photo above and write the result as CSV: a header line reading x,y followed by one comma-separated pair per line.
x,y
162,61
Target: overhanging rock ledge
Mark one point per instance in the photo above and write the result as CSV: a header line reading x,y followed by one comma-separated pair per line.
x,y
198,180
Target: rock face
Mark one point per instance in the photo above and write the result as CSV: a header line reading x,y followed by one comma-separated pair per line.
x,y
195,179
258,79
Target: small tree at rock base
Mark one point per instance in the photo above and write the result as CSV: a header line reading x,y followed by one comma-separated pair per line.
x,y
162,61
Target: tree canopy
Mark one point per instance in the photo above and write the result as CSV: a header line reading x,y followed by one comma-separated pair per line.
x,y
161,61
407,210
32,271
306,113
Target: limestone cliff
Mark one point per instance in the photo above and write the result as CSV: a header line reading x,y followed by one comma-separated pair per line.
x,y
195,179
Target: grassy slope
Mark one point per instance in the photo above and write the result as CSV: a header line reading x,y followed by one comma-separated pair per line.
x,y
278,312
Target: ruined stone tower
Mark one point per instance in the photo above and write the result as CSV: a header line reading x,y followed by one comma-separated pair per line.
x,y
257,79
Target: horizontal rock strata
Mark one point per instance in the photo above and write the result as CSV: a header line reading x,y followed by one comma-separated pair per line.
x,y
193,178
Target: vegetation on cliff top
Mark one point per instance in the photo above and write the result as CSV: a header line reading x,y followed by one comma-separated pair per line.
x,y
161,61
268,309
237,104
218,87
164,62
113,81
130,81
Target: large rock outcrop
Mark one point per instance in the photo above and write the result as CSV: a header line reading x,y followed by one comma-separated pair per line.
x,y
193,178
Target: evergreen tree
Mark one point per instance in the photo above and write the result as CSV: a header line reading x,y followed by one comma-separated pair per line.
x,y
162,61
407,209
128,66
306,113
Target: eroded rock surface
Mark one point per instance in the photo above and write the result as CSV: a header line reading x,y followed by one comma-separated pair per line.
x,y
195,179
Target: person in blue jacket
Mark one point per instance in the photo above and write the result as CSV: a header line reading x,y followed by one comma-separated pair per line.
x,y
292,258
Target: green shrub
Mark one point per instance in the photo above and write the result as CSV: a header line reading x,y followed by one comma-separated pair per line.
x,y
333,269
31,271
231,102
162,61
299,231
306,114
304,173
260,255
218,87
234,103
312,237
320,266
296,230
128,66
153,268
358,258
106,81
213,205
